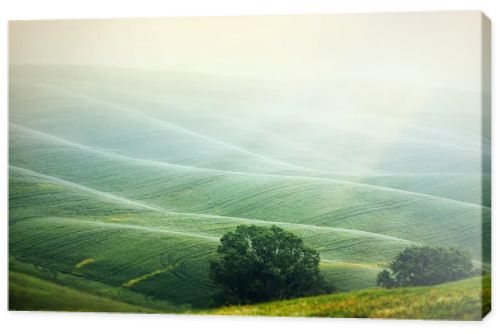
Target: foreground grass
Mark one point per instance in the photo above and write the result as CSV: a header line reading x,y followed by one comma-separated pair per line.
x,y
465,300
28,293
458,300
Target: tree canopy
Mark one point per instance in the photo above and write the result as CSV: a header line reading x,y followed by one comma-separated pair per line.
x,y
263,263
424,265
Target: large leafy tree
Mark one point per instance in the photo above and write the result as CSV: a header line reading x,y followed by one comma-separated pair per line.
x,y
263,263
424,265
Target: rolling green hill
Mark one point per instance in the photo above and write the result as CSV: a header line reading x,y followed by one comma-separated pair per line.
x,y
125,195
115,230
212,116
275,198
458,300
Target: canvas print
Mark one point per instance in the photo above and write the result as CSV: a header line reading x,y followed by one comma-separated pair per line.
x,y
333,165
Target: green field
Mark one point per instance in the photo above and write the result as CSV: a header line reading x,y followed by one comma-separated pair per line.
x,y
458,300
121,184
27,293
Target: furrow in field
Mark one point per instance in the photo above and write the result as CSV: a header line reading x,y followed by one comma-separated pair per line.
x,y
149,229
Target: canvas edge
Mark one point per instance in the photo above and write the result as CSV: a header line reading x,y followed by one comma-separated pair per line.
x,y
486,150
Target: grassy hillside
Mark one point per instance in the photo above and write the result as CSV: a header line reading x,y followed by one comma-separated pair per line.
x,y
209,122
458,300
462,187
121,183
275,198
28,293
127,131
128,241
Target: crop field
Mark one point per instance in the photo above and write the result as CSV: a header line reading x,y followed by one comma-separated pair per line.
x,y
121,184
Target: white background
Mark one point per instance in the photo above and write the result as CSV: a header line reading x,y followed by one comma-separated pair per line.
x,y
51,322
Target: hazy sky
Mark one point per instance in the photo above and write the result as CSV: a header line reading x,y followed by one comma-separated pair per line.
x,y
440,49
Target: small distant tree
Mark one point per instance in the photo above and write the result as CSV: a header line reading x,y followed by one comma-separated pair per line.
x,y
385,280
264,263
424,265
